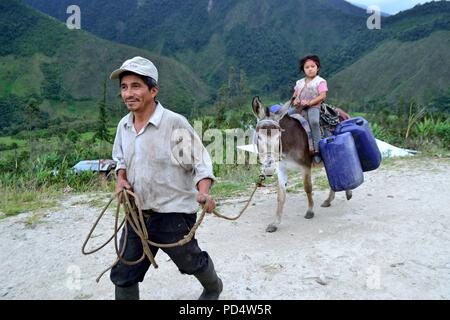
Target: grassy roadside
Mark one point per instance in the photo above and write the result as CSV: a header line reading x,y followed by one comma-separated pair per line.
x,y
14,201
232,182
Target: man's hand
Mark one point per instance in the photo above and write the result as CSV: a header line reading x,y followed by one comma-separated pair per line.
x,y
206,201
203,196
122,181
121,184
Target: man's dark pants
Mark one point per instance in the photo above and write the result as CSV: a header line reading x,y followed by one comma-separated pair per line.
x,y
162,228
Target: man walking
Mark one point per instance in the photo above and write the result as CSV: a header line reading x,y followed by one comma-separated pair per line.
x,y
169,186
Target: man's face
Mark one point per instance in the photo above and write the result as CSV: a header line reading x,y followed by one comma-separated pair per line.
x,y
135,93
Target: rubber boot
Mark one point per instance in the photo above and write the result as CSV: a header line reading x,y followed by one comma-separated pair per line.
x,y
127,293
211,283
316,158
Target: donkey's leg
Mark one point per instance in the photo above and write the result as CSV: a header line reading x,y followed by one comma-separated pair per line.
x,y
308,189
327,203
348,194
282,183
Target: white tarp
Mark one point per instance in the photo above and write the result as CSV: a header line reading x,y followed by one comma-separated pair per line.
x,y
387,150
249,148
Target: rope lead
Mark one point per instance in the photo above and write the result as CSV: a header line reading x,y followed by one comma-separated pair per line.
x,y
135,218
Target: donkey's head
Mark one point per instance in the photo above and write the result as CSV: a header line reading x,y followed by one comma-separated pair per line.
x,y
268,136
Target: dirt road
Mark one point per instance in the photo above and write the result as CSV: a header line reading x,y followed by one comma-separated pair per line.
x,y
391,241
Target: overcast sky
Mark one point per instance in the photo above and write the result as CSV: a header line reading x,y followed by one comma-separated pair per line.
x,y
390,6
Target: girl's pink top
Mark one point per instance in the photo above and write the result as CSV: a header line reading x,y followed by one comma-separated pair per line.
x,y
311,90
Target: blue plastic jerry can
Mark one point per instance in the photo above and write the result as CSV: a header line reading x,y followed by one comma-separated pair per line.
x,y
366,145
341,162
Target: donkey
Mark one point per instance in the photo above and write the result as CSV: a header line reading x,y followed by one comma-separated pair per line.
x,y
283,145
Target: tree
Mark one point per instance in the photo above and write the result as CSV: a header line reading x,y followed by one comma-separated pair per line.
x,y
441,103
244,90
221,105
73,136
32,115
101,132
14,146
233,85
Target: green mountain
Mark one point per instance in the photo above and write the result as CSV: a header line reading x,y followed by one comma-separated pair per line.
x,y
66,69
409,58
264,38
401,70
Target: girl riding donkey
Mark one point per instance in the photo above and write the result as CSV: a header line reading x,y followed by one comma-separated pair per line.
x,y
277,133
309,93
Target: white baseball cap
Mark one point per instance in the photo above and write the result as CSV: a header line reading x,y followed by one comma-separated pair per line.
x,y
137,65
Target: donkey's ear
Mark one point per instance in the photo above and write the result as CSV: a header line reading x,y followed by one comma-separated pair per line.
x,y
258,109
280,114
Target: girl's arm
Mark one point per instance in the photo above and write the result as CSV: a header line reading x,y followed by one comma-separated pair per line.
x,y
294,100
323,89
318,100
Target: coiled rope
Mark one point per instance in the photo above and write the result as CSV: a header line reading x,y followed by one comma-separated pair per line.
x,y
135,218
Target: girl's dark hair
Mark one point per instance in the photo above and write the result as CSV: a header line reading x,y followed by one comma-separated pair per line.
x,y
150,82
313,58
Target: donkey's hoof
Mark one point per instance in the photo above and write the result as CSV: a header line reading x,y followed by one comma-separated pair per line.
x,y
326,204
348,194
271,228
309,215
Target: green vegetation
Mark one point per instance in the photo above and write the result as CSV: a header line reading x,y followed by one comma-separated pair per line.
x,y
295,187
411,127
65,71
320,182
229,189
264,38
33,220
101,132
98,203
28,178
13,201
398,70
29,183
261,37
